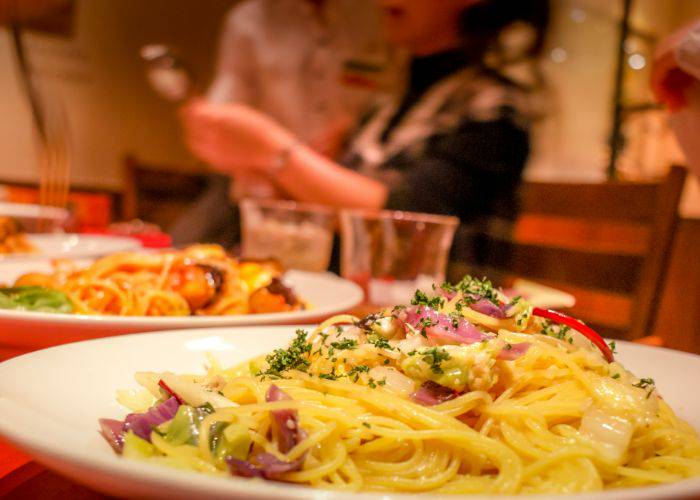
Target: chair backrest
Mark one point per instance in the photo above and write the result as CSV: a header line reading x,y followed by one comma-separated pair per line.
x,y
156,193
608,244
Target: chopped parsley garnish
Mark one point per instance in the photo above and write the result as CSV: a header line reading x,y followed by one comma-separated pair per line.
x,y
508,347
612,347
421,299
434,356
358,369
426,322
557,331
372,383
644,383
617,375
293,358
387,361
366,424
379,342
354,373
343,345
480,288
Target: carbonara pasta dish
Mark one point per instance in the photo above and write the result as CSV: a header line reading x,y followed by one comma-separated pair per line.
x,y
198,280
462,391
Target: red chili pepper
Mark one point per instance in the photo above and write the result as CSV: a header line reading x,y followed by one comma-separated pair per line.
x,y
172,393
586,331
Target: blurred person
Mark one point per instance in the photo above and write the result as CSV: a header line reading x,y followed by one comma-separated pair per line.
x,y
455,141
676,83
311,65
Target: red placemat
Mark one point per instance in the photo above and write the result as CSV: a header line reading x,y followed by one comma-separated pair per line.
x,y
20,477
11,458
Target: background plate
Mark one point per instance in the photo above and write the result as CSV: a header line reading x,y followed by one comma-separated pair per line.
x,y
72,246
24,331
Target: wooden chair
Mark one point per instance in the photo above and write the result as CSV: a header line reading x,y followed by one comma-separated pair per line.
x,y
608,244
156,193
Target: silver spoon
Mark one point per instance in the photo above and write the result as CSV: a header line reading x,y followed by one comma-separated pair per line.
x,y
168,75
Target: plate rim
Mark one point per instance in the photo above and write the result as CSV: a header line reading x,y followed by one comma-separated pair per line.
x,y
125,244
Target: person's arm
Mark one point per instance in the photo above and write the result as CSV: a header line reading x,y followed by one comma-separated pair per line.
x,y
311,177
239,140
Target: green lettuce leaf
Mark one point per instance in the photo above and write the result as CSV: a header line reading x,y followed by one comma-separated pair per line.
x,y
35,298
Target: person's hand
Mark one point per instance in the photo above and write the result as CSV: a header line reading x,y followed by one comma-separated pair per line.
x,y
668,81
233,138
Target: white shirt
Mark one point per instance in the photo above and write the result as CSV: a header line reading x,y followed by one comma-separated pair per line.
x,y
306,67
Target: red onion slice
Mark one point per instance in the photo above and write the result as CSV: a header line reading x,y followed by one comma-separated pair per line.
x,y
267,466
431,394
113,432
285,423
485,306
142,423
443,329
515,351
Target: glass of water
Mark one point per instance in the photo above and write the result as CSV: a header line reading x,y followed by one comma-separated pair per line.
x,y
392,253
299,236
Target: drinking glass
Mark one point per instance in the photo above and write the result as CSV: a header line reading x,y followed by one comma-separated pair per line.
x,y
392,253
299,236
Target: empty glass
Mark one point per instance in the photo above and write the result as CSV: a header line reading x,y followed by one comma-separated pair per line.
x,y
391,254
298,236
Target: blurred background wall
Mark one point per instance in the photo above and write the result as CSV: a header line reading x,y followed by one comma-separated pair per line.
x,y
96,73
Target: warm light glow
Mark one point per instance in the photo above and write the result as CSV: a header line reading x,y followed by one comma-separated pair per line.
x,y
637,61
577,15
558,55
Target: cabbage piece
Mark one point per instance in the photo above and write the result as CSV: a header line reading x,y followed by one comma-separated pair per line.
x,y
135,447
612,432
184,427
143,423
194,394
229,440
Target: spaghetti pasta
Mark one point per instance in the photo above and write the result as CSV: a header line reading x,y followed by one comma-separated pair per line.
x,y
419,399
200,279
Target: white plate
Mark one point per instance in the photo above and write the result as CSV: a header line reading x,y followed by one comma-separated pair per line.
x,y
23,331
50,401
29,214
72,246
